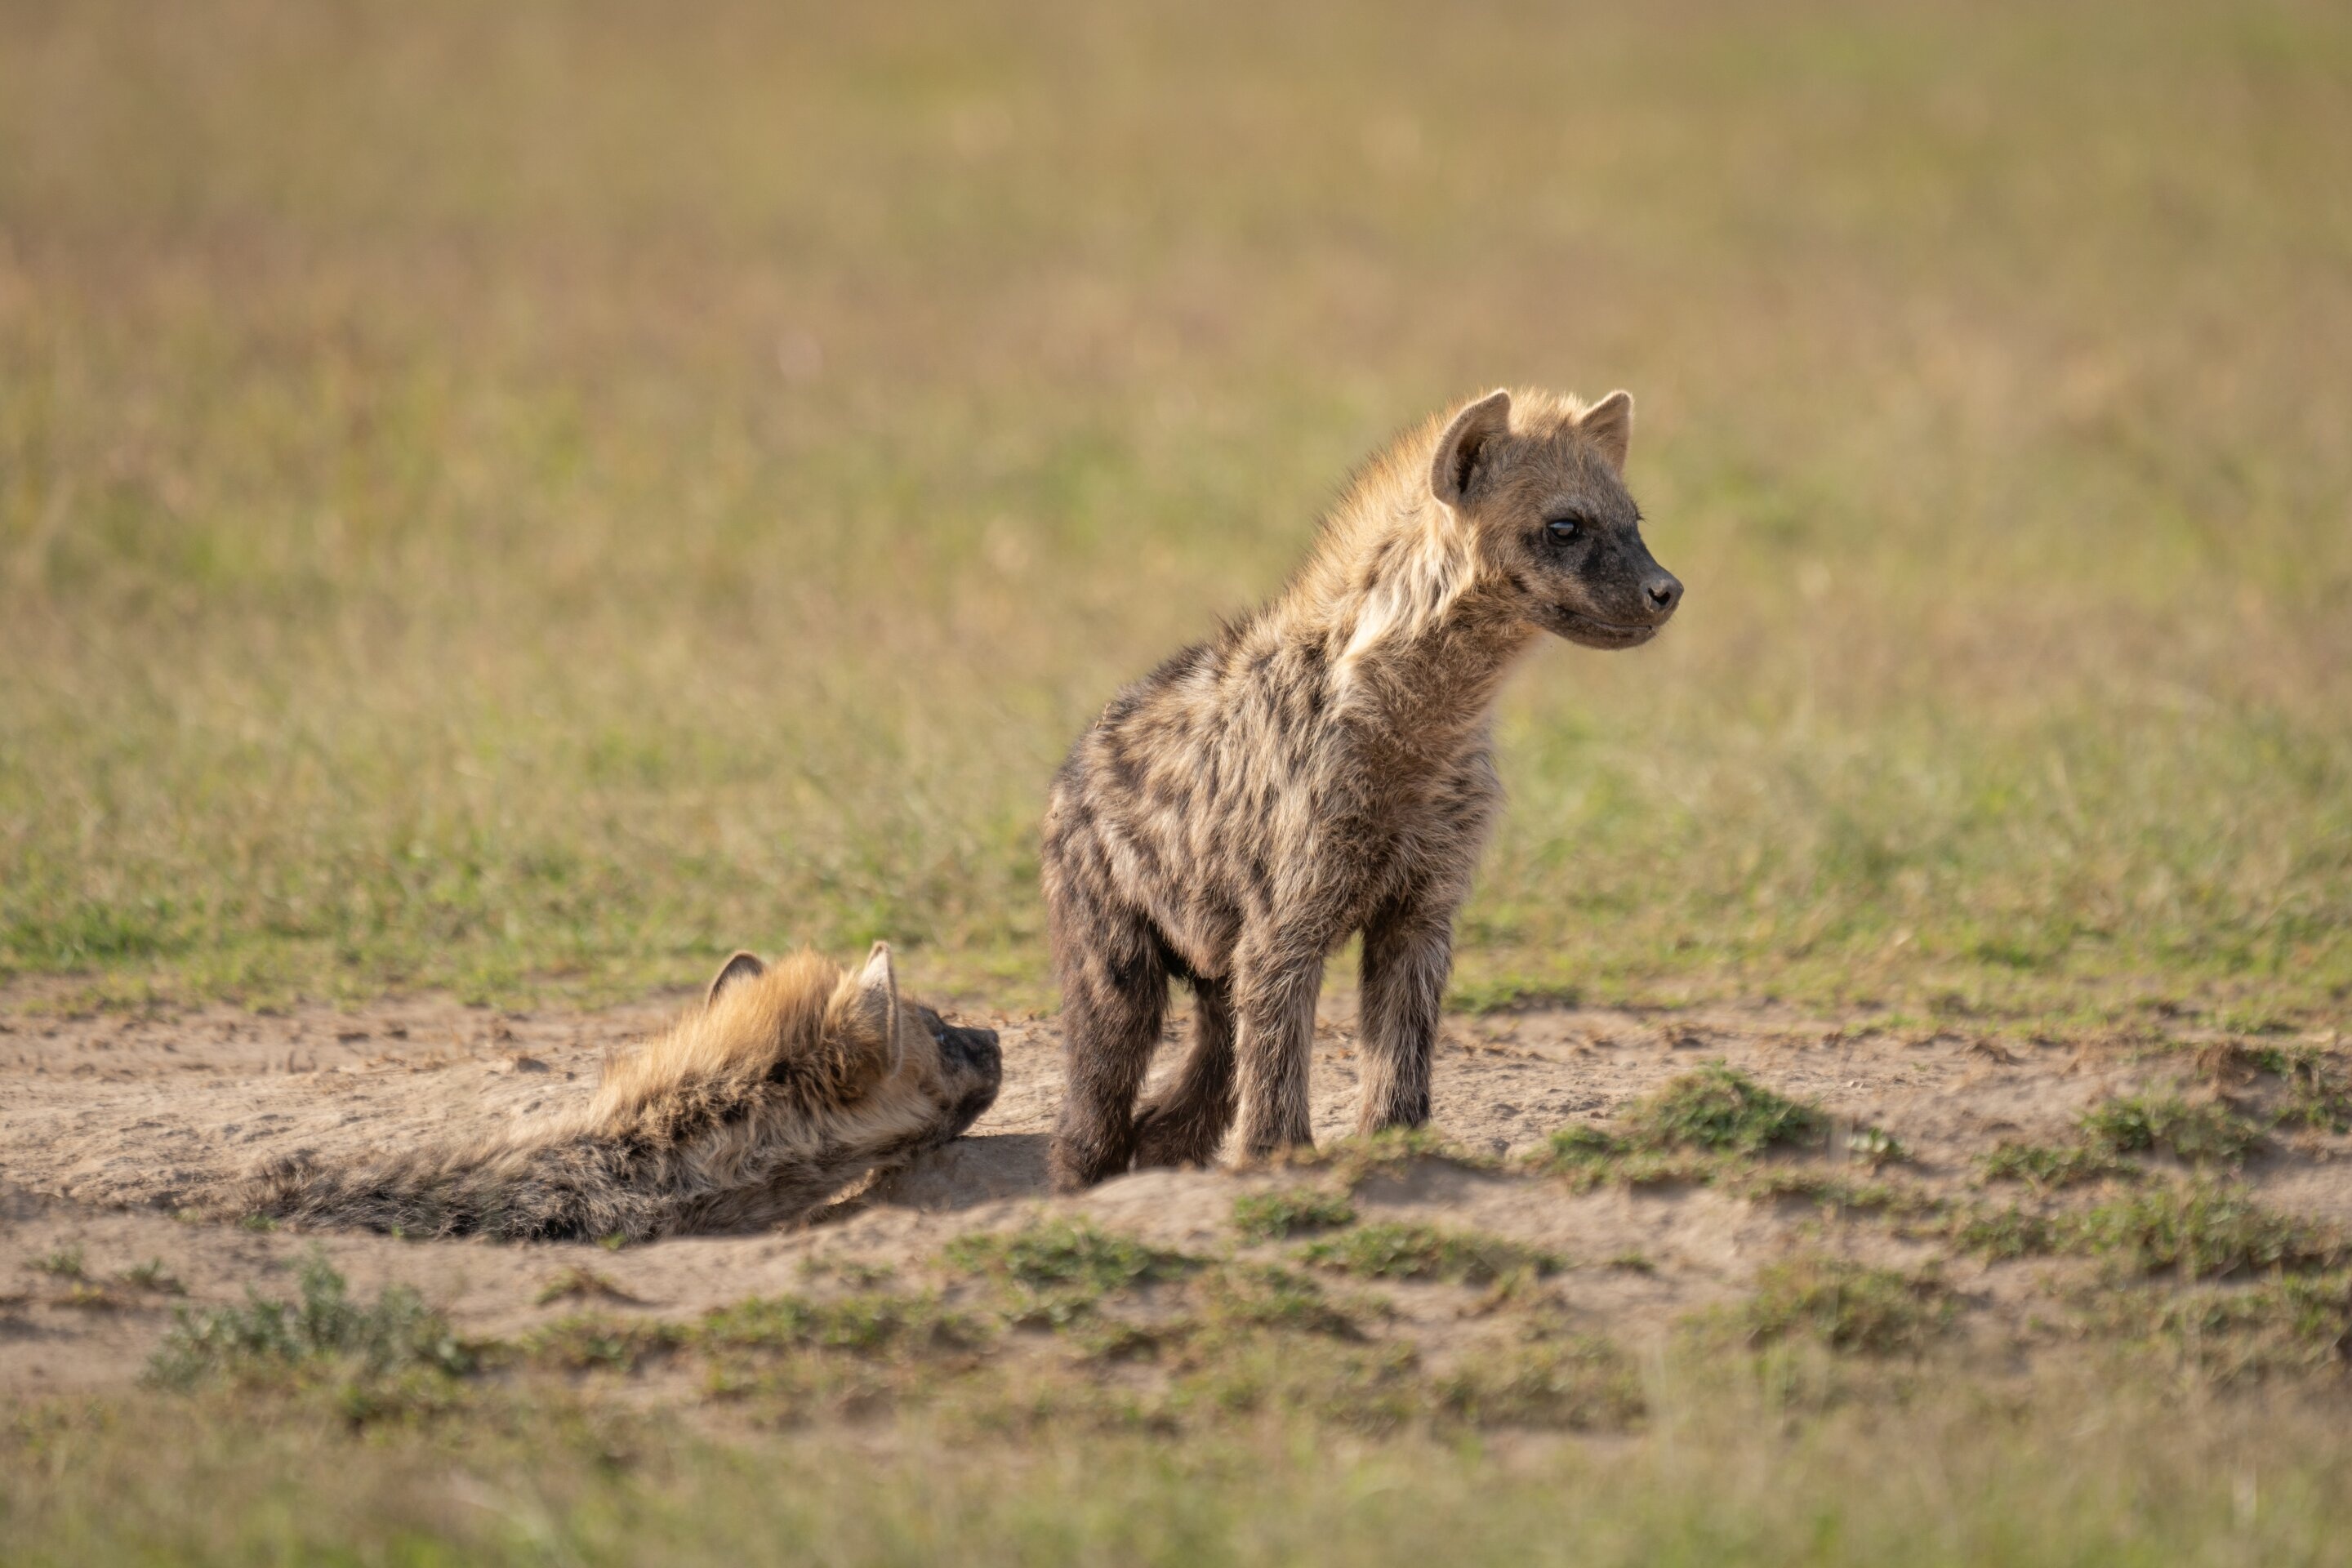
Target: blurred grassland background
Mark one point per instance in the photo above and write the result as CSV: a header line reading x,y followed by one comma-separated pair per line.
x,y
525,498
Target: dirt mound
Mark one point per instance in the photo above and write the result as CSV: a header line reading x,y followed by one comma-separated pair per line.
x,y
119,1134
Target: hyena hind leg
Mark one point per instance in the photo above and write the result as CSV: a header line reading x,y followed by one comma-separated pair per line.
x,y
1184,1123
1113,995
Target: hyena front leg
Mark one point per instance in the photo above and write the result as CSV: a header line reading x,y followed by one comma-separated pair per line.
x,y
1408,953
1274,1007
1114,994
1183,1122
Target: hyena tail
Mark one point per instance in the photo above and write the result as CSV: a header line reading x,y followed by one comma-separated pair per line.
x,y
568,1190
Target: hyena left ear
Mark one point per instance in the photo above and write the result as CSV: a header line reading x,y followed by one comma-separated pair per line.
x,y
741,967
877,1001
1467,441
1609,425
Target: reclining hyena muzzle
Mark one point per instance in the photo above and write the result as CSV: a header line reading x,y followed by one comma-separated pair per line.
x,y
1322,767
782,1087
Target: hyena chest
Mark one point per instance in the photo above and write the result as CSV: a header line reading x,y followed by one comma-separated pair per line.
x,y
1320,848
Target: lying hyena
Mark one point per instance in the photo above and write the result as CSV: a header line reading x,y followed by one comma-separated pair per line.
x,y
784,1086
1321,767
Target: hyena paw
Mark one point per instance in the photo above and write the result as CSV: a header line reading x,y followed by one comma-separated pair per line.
x,y
1166,1135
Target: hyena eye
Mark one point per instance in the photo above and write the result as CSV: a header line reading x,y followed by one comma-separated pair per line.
x,y
1563,529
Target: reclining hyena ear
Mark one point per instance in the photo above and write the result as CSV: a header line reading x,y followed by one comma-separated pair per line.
x,y
741,967
878,1004
1609,425
1468,442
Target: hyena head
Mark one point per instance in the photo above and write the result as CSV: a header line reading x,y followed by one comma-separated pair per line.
x,y
876,1056
1541,485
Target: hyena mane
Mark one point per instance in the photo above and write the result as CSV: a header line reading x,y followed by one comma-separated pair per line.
x,y
1322,767
786,1084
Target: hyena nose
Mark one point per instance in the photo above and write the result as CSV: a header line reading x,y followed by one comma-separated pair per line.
x,y
977,1048
1665,590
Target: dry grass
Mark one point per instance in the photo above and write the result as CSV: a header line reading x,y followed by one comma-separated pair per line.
x,y
528,497
1723,1475
525,499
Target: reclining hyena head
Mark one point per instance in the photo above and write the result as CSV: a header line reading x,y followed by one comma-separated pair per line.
x,y
782,1086
1540,482
807,1040
1321,767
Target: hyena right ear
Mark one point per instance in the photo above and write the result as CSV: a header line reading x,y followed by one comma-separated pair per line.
x,y
1609,425
741,967
877,999
1453,472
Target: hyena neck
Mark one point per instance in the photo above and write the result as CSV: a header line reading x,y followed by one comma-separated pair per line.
x,y
1415,638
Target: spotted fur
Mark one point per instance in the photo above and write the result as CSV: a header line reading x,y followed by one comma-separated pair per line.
x,y
785,1085
1321,767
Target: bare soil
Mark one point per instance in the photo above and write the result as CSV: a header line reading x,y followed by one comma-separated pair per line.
x,y
118,1132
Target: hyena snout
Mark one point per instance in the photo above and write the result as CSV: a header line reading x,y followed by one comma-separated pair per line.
x,y
974,1050
974,1064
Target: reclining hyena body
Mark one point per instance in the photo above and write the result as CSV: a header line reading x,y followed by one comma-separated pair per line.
x,y
1320,768
787,1083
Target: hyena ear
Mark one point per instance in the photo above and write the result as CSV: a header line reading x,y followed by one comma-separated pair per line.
x,y
1609,425
877,1003
1470,439
741,967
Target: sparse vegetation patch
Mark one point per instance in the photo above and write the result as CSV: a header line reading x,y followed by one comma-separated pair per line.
x,y
1723,1110
1551,1380
1426,1252
323,1324
2204,1229
1847,1306
2318,1086
865,1324
1057,1269
2197,1132
1295,1211
1254,1296
153,1277
1710,1125
2049,1166
2284,1323
2004,1235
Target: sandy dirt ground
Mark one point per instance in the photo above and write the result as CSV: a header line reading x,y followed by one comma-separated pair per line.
x,y
118,1132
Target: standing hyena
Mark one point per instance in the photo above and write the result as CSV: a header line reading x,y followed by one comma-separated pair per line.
x,y
1322,767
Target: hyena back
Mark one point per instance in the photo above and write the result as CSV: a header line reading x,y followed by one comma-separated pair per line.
x,y
785,1085
1322,767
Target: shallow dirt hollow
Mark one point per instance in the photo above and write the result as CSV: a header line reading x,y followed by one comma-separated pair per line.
x,y
117,1131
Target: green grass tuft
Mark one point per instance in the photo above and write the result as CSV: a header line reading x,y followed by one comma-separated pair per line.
x,y
865,1324
1057,1270
65,1263
1847,1306
397,1332
2049,1166
2318,1086
2005,1234
153,1277
1696,1128
590,1341
2198,1132
1722,1111
1296,1211
1250,1296
2204,1229
1425,1252
1561,1382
